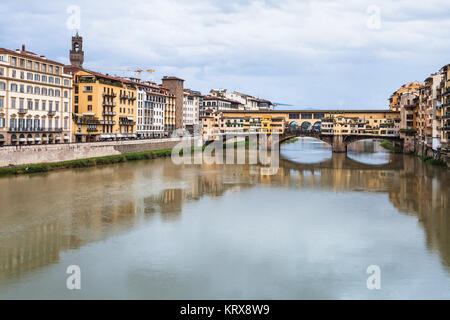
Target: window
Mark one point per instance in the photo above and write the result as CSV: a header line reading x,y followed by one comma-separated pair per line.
x,y
2,71
44,91
36,66
44,68
29,64
51,80
89,107
13,103
43,105
66,124
66,107
2,122
76,99
29,76
44,78
50,69
13,61
66,82
2,102
13,73
30,105
76,89
56,70
50,106
36,105
22,88
66,94
57,80
1,57
37,77
29,89
87,89
13,87
37,90
56,106
2,86
89,98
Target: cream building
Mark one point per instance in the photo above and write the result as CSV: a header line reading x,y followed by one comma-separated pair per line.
x,y
35,99
191,110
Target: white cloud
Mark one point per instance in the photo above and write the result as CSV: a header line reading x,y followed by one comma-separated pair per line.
x,y
289,51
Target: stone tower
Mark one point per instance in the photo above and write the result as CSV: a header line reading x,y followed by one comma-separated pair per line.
x,y
77,53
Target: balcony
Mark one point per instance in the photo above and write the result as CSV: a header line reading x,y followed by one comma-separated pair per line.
x,y
109,113
447,128
22,111
35,130
51,113
107,122
107,94
109,104
446,116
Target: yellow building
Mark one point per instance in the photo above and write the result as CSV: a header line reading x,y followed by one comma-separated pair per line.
x,y
104,107
412,87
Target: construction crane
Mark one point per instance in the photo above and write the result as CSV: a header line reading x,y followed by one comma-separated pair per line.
x,y
138,71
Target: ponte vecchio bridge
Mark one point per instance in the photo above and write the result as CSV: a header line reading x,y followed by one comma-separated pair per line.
x,y
339,128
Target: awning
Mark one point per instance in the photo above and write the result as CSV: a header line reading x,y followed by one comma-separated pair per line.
x,y
119,135
130,118
105,136
2,137
37,139
44,138
30,139
134,136
66,137
23,140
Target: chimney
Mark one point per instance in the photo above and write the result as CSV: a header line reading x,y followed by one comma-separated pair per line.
x,y
23,48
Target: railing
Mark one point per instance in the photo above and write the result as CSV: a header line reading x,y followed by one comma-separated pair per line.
x,y
110,104
11,129
51,113
22,110
109,113
107,122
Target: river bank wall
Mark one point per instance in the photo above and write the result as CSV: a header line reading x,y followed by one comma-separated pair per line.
x,y
38,154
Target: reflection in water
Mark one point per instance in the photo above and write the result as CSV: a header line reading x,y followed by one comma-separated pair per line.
x,y
146,230
307,150
368,151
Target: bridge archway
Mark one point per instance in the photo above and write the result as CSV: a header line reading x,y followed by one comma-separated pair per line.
x,y
317,126
306,126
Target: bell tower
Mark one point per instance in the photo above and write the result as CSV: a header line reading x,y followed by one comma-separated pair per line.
x,y
77,53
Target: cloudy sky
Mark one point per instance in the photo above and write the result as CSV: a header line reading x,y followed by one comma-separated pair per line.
x,y
346,54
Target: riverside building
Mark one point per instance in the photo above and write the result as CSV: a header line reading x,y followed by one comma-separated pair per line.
x,y
35,99
104,107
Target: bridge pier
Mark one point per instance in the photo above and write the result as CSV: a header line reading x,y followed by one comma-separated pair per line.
x,y
337,144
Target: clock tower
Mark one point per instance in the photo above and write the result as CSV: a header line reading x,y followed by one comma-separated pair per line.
x,y
77,53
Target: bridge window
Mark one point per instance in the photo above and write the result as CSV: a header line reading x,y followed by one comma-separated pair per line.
x,y
306,115
319,116
294,116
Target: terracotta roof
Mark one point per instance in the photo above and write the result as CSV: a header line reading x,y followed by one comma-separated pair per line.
x,y
30,55
172,78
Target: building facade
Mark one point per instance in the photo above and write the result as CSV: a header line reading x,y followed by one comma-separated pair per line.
x,y
176,88
104,107
35,99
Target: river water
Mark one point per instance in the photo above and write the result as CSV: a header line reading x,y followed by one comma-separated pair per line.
x,y
154,230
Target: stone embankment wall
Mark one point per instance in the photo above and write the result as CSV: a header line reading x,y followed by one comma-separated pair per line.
x,y
35,154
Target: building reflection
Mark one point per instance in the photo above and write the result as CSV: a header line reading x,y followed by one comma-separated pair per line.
x,y
32,238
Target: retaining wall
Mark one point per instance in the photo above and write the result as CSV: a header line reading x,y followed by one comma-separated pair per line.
x,y
34,154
